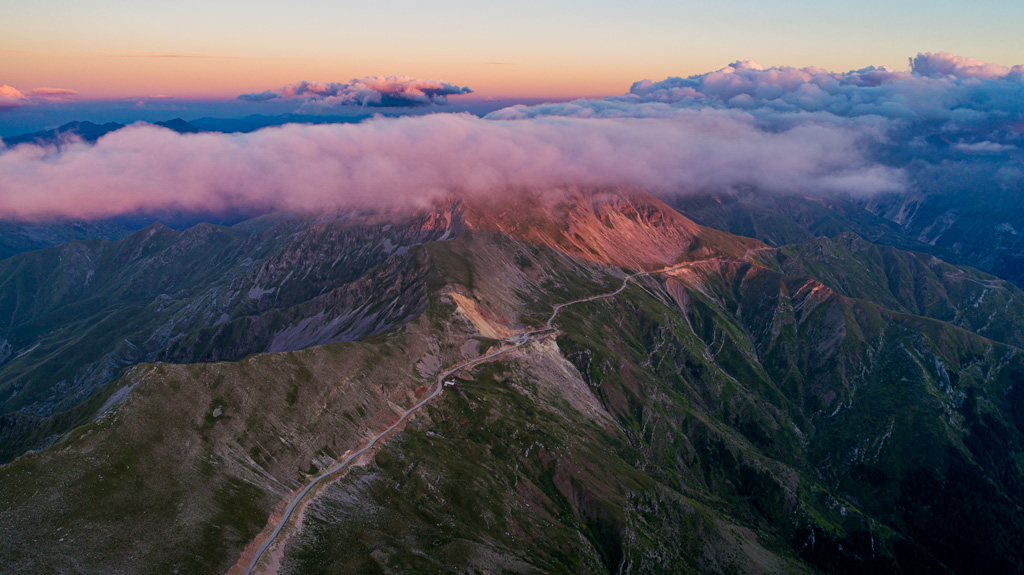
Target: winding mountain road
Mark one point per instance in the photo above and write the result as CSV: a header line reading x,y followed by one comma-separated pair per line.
x,y
342,464
520,340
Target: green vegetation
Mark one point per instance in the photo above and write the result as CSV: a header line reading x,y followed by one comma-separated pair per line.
x,y
835,408
78,314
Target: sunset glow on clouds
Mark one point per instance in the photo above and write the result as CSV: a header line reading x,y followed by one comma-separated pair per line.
x,y
774,130
409,160
935,86
372,91
946,64
11,97
52,93
556,50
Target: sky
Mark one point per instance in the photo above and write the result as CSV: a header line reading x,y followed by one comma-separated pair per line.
x,y
197,49
776,130
856,98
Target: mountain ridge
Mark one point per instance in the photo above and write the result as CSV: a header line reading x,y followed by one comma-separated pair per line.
x,y
752,411
87,131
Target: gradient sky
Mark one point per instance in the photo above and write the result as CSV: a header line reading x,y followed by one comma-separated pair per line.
x,y
569,48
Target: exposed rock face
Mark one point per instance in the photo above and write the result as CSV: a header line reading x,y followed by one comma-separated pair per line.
x,y
617,227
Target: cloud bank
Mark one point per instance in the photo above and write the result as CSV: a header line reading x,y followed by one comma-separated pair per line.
x,y
773,130
938,86
372,91
407,161
943,111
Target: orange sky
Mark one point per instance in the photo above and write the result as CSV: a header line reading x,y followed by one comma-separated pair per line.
x,y
106,75
558,48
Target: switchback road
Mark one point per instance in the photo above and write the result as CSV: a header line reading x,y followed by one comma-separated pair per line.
x,y
518,341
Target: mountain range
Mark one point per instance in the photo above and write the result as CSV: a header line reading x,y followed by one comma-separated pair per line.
x,y
87,131
573,380
956,204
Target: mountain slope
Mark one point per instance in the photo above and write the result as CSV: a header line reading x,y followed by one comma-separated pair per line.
x,y
967,210
733,415
23,237
75,315
627,228
789,219
958,216
907,281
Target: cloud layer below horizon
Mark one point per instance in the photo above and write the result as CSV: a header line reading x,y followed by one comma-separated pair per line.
x,y
407,161
774,130
936,87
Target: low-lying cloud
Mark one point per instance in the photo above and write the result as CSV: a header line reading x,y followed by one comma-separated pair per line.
x,y
371,91
942,108
407,161
773,130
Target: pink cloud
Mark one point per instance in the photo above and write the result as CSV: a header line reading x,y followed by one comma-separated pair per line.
x,y
11,97
942,64
368,91
10,93
937,87
409,160
52,93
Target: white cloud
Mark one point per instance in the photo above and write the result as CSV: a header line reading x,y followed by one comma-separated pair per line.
x,y
394,162
938,86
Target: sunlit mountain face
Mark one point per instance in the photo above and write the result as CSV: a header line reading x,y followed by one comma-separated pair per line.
x,y
765,319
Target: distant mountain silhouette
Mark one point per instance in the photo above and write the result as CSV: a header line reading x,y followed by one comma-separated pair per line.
x,y
255,122
179,125
89,132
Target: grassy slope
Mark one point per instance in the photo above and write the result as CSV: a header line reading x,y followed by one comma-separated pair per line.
x,y
185,472
732,419
908,281
515,472
771,403
73,317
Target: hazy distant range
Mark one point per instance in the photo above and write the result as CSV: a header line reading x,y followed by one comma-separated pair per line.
x,y
213,116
